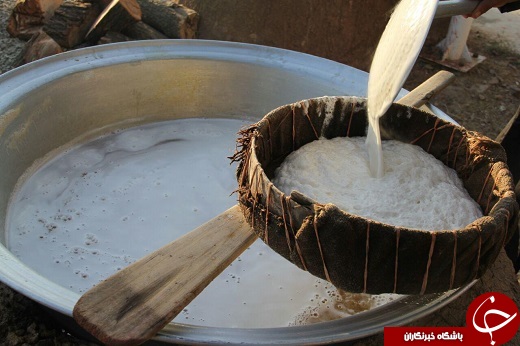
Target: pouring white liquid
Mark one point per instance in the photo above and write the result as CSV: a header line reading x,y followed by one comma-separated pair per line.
x,y
99,206
395,55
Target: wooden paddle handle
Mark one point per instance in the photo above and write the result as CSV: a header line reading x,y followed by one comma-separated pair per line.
x,y
135,303
428,89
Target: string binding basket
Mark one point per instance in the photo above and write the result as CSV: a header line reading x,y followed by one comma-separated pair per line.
x,y
357,254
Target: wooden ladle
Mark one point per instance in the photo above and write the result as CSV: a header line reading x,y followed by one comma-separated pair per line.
x,y
132,305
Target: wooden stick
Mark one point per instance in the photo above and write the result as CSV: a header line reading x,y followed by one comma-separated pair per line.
x,y
509,138
131,306
134,304
428,89
507,130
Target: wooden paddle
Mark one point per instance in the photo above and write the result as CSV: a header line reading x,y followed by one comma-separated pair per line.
x,y
134,304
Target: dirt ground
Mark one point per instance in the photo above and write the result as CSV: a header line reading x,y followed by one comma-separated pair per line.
x,y
486,97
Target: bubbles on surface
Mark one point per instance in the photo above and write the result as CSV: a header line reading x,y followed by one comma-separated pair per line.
x,y
98,207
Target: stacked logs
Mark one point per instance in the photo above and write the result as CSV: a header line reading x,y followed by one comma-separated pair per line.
x,y
54,26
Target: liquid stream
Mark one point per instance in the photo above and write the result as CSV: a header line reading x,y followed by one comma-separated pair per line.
x,y
395,55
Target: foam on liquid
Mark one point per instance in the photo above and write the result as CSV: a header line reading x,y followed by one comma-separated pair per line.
x,y
395,55
99,206
416,190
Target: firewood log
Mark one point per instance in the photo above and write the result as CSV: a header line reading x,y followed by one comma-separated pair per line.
x,y
115,17
71,22
112,37
40,46
28,17
172,19
143,31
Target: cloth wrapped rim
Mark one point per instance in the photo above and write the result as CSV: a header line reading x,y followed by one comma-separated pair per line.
x,y
357,254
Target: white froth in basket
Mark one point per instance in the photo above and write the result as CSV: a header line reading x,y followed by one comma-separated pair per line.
x,y
416,191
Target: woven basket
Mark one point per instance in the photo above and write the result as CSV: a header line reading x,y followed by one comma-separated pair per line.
x,y
357,254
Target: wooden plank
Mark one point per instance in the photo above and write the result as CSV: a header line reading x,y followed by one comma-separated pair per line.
x,y
71,22
172,19
138,301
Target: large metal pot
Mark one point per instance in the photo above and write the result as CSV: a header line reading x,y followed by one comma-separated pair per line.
x,y
51,102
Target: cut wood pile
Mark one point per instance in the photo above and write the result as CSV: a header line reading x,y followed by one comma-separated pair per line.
x,y
54,26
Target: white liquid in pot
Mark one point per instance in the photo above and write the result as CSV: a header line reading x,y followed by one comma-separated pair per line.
x,y
98,207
